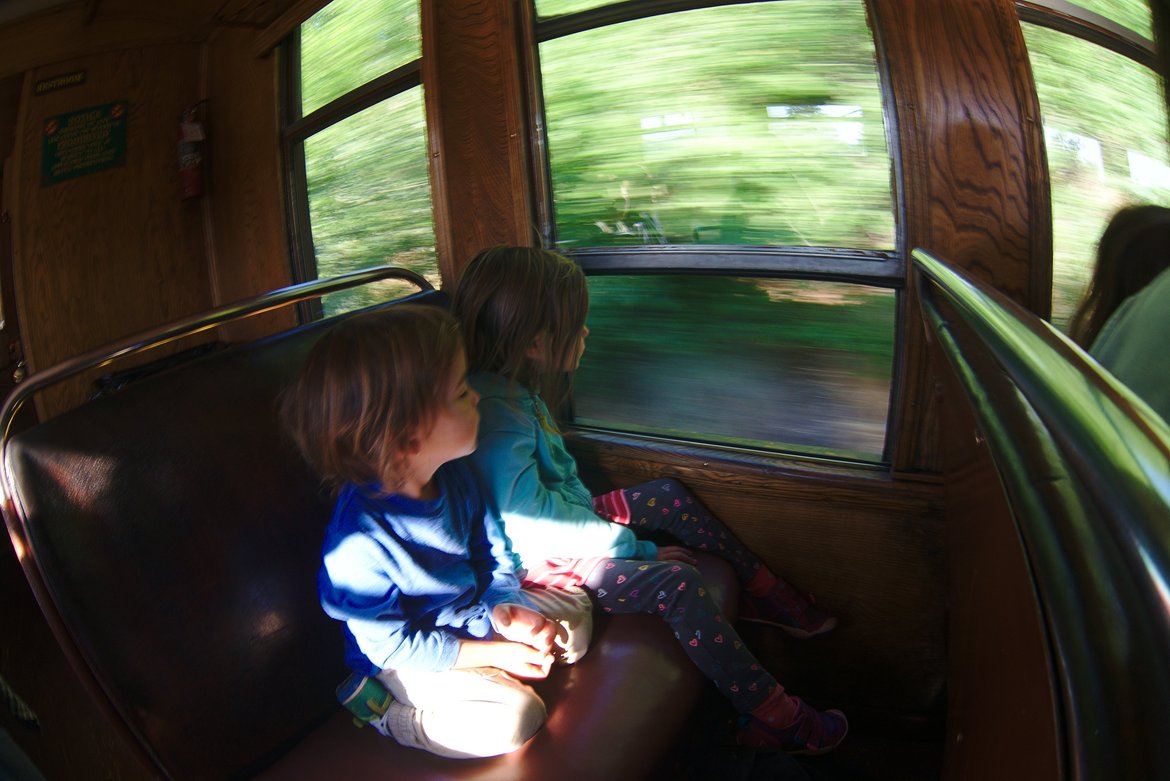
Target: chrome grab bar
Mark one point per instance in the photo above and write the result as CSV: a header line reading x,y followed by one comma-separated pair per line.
x,y
193,324
1087,466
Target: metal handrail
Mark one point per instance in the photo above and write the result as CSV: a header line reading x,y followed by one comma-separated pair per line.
x,y
1086,465
188,326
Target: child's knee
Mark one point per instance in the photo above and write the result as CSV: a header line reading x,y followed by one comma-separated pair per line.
x,y
478,729
682,573
511,728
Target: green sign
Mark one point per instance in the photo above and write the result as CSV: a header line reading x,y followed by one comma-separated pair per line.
x,y
82,142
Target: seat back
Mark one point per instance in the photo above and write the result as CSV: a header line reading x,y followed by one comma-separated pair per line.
x,y
175,535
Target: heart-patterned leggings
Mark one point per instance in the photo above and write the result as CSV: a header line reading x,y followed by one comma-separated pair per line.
x,y
668,505
674,590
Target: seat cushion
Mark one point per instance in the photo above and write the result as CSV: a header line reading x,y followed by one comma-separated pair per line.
x,y
613,715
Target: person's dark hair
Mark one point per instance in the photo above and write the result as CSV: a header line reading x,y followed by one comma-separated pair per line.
x,y
1134,248
505,297
370,384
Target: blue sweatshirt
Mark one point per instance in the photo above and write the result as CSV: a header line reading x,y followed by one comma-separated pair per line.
x,y
411,578
532,479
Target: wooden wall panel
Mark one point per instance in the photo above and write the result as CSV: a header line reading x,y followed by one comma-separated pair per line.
x,y
106,255
973,171
1000,683
68,31
248,254
475,118
870,548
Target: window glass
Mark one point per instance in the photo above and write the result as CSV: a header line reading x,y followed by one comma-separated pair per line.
x,y
350,42
370,198
1134,14
1105,129
754,124
766,363
545,8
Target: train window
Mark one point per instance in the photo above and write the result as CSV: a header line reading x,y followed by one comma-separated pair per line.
x,y
557,7
695,180
1105,131
803,363
1131,14
350,42
758,124
356,137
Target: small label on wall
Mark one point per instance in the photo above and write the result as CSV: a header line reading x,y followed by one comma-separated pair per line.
x,y
82,142
54,83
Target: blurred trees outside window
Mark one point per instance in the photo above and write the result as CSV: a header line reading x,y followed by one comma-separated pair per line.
x,y
369,193
1105,132
755,125
752,125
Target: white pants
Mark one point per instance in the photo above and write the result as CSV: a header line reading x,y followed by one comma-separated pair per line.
x,y
483,712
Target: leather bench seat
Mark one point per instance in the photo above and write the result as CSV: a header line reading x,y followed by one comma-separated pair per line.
x,y
172,537
613,715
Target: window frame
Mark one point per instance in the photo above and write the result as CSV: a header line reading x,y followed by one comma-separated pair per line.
x,y
1066,17
876,268
879,268
1073,20
296,128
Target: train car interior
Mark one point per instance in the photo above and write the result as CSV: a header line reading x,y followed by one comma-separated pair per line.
x,y
834,249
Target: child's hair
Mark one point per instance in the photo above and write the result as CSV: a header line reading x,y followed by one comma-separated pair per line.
x,y
1134,249
369,385
509,295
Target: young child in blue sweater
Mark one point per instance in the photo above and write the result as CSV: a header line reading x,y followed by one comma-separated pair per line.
x,y
523,316
414,565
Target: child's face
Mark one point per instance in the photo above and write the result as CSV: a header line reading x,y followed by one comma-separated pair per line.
x,y
574,359
539,351
453,432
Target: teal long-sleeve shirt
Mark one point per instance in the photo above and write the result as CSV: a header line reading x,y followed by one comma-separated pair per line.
x,y
1132,344
532,480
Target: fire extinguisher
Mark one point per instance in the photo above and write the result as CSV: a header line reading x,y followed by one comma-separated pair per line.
x,y
191,138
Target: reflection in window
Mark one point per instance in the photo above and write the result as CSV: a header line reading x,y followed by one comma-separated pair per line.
x,y
369,197
1105,129
751,124
349,42
763,363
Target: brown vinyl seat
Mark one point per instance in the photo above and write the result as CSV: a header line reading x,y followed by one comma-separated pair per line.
x,y
173,538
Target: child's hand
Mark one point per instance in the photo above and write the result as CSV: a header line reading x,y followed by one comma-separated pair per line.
x,y
520,659
676,553
524,625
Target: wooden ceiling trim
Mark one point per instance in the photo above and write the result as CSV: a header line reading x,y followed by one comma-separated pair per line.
x,y
295,12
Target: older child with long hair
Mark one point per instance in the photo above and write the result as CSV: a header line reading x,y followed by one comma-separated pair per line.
x,y
1133,250
523,317
414,565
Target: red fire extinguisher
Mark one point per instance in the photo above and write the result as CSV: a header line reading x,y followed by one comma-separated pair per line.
x,y
191,138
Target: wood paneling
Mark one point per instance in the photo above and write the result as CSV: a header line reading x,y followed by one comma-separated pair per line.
x,y
109,254
869,548
1001,714
247,249
64,33
973,171
475,118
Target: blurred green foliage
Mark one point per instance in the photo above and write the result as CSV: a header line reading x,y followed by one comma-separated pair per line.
x,y
757,124
743,124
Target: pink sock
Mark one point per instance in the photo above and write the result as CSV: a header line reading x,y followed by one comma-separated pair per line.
x,y
761,582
